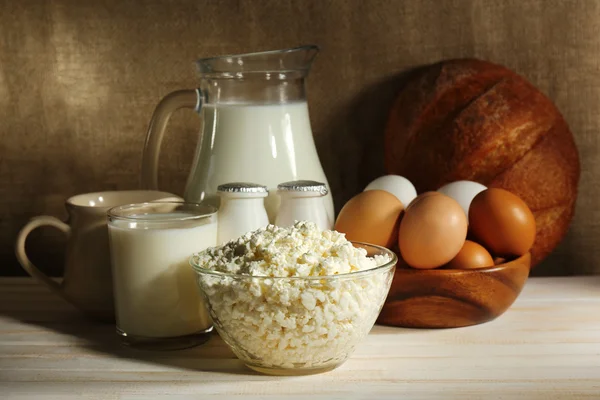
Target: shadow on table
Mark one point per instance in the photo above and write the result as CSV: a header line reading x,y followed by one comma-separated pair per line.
x,y
212,356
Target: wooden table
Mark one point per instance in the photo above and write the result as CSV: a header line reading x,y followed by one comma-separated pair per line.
x,y
547,346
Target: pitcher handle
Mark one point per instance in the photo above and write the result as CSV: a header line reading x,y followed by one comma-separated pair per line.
x,y
26,262
190,98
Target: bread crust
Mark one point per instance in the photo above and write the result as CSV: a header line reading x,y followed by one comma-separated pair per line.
x,y
475,120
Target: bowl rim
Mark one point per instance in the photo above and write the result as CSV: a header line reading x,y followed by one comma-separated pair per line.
x,y
517,262
348,275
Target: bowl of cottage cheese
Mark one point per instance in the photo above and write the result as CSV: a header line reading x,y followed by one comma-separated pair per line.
x,y
294,301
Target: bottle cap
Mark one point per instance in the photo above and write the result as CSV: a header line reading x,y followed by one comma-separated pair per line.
x,y
303,186
242,187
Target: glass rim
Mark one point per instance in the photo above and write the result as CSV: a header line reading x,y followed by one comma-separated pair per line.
x,y
307,47
75,200
347,275
208,211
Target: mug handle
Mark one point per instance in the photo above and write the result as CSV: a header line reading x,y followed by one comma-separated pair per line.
x,y
22,255
190,98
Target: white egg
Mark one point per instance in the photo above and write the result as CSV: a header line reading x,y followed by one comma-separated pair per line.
x,y
397,185
463,192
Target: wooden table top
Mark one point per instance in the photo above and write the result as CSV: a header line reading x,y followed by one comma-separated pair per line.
x,y
547,346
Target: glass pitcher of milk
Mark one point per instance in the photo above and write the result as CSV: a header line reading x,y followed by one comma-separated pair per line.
x,y
256,125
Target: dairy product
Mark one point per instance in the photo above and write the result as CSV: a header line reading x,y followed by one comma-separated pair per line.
x,y
266,144
303,201
155,290
293,297
242,210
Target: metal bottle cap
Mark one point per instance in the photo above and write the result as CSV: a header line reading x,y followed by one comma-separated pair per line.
x,y
303,186
242,187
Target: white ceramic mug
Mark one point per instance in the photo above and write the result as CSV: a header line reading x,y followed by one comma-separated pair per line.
x,y
87,282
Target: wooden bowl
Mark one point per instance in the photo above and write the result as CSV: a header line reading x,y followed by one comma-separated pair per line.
x,y
451,298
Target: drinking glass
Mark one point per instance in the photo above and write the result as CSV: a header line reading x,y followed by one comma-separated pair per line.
x,y
157,302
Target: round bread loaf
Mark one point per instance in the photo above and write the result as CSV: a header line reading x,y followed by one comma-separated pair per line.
x,y
474,120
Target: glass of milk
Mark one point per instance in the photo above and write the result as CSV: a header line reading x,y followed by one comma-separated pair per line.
x,y
157,302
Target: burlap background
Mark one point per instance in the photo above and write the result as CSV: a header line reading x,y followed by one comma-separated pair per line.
x,y
79,81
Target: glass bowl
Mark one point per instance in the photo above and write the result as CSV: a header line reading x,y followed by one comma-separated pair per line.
x,y
296,325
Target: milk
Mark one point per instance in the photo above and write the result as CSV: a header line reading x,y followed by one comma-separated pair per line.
x,y
266,144
155,290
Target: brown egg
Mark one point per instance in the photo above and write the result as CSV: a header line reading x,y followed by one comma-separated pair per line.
x,y
371,217
502,222
423,195
471,256
432,231
499,260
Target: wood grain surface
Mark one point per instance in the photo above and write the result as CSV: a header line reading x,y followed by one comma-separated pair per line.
x,y
451,298
79,81
546,346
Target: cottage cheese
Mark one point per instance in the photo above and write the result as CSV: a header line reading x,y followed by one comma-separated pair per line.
x,y
274,310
